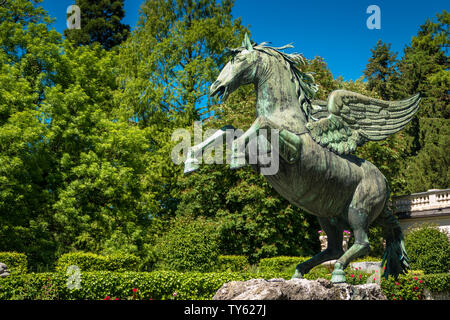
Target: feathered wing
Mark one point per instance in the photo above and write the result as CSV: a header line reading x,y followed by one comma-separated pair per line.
x,y
351,119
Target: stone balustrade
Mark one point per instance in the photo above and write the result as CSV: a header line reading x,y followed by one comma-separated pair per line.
x,y
430,200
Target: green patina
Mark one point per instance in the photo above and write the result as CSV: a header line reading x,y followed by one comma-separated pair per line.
x,y
317,171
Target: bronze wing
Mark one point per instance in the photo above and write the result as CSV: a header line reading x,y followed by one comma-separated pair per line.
x,y
351,119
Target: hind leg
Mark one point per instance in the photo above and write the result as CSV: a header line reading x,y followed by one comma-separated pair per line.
x,y
359,222
333,251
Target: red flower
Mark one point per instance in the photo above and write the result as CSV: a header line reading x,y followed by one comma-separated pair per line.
x,y
135,290
116,299
360,276
397,283
352,275
415,278
420,281
107,298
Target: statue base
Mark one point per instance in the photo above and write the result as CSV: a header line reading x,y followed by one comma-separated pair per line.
x,y
297,289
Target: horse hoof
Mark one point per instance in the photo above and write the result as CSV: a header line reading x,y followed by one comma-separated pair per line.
x,y
297,275
338,276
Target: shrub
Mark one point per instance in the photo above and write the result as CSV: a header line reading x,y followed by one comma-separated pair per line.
x,y
280,264
232,263
87,261
189,245
428,249
97,285
16,262
188,286
404,287
439,282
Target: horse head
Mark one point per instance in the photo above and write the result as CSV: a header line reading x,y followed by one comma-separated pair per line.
x,y
240,70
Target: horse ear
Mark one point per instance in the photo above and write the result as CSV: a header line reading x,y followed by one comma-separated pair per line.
x,y
247,43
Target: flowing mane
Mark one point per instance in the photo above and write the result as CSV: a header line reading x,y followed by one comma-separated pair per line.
x,y
306,87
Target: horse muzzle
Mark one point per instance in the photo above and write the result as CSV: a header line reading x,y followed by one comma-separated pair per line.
x,y
219,90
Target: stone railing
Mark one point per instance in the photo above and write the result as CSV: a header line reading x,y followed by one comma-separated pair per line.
x,y
432,199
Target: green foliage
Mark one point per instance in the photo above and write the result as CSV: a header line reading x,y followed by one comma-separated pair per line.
x,y
405,287
317,272
88,261
355,276
280,264
376,244
424,68
232,263
173,56
100,22
192,285
15,262
189,245
368,259
98,285
439,282
28,56
428,249
322,76
380,72
85,135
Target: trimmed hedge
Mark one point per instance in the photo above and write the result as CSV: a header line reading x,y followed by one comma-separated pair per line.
x,y
16,262
188,286
98,285
232,263
280,264
439,282
87,261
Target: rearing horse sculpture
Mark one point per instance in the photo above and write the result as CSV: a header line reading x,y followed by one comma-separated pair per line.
x,y
317,171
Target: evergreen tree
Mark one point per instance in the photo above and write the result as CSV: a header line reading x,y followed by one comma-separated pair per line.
x,y
100,22
380,71
424,68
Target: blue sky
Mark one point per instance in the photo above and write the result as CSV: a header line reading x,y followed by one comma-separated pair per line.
x,y
335,30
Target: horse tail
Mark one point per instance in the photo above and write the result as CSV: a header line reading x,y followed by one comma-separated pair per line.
x,y
395,259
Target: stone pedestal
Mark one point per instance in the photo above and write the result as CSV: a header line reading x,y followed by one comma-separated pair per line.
x,y
297,289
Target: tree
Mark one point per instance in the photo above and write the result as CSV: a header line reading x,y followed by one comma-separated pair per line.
x,y
167,66
173,57
424,69
380,71
322,76
29,51
100,22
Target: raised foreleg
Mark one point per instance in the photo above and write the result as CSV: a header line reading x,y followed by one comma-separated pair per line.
x,y
192,163
286,144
